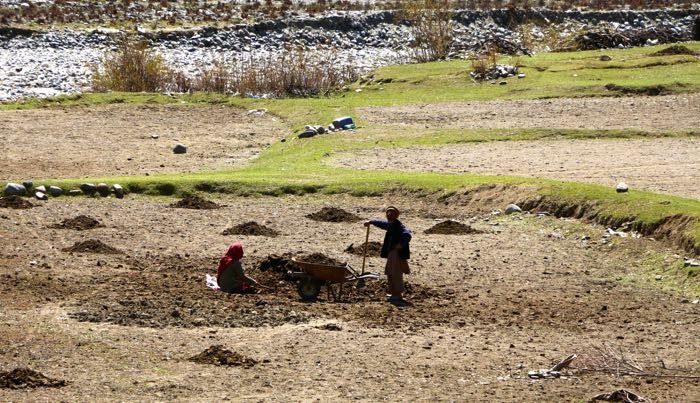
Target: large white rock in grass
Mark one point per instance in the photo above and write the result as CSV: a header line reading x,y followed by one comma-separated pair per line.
x,y
179,148
41,188
15,189
41,196
513,208
622,187
55,191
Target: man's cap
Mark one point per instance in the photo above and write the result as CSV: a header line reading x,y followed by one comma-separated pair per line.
x,y
390,208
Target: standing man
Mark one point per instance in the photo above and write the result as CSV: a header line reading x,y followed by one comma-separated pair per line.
x,y
395,250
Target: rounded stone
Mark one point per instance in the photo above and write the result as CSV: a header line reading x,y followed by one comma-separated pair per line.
x,y
179,148
15,189
102,189
55,191
513,208
88,188
621,187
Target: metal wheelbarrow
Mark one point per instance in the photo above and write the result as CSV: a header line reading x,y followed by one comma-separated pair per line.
x,y
313,276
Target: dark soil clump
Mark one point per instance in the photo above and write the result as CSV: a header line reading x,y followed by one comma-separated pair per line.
x,y
251,228
674,50
277,264
373,249
92,246
79,223
332,214
450,227
194,202
15,202
653,90
21,378
320,258
218,355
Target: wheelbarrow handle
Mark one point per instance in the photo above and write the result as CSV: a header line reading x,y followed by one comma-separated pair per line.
x,y
364,252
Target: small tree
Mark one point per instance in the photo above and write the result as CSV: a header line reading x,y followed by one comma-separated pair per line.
x,y
133,68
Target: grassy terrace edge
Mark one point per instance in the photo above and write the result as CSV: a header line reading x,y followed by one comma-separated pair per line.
x,y
296,167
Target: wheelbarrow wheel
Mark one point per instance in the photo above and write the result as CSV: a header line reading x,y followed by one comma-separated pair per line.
x,y
309,288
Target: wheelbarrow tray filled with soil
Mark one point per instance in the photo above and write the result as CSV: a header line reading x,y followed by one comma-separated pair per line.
x,y
315,275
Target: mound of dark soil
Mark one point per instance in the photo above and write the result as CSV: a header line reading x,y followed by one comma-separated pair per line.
x,y
674,50
92,246
332,214
652,90
218,355
276,263
451,227
320,258
373,249
195,202
20,378
15,202
251,228
79,223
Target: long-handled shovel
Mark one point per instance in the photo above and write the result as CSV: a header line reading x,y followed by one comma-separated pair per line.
x,y
361,282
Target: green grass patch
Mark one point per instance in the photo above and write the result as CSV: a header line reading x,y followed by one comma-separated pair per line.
x,y
667,272
297,166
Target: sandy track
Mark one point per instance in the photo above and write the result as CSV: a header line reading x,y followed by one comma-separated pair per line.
x,y
116,140
669,166
667,113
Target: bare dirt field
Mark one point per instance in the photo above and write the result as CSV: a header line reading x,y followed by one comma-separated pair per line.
x,y
109,296
670,166
119,140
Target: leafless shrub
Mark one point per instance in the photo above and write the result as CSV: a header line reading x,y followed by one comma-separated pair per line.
x,y
431,23
615,361
134,67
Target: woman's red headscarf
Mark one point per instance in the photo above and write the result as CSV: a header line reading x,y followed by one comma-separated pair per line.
x,y
234,252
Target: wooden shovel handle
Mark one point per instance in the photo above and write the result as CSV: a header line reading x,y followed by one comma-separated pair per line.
x,y
364,252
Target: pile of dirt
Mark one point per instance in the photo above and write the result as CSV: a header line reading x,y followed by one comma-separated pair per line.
x,y
320,258
15,202
277,263
332,214
218,355
21,378
92,246
195,202
651,90
251,228
79,223
373,249
674,50
451,227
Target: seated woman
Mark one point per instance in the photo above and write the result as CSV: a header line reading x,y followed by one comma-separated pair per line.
x,y
230,274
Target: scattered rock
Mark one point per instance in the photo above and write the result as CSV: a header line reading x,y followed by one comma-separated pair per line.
x,y
102,189
308,133
218,355
155,136
28,184
55,191
621,187
75,192
15,189
451,227
92,246
333,327
251,228
344,123
79,223
513,208
22,378
521,75
332,214
41,196
195,202
373,249
605,58
691,263
88,188
179,148
494,72
41,188
15,202
118,191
